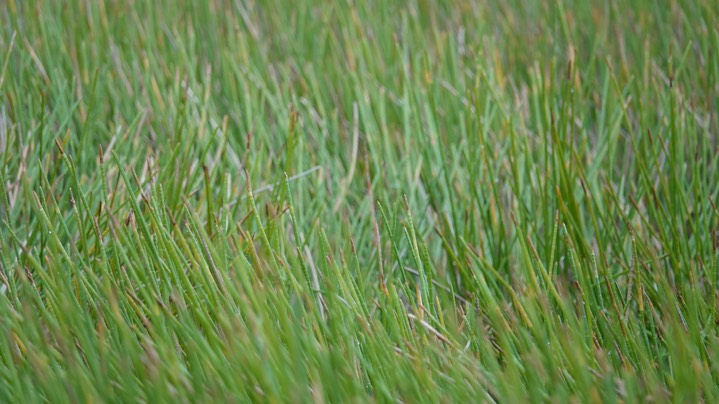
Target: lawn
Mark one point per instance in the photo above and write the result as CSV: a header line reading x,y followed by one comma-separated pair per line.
x,y
352,201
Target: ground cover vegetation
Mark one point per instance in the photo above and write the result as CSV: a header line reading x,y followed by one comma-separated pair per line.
x,y
420,201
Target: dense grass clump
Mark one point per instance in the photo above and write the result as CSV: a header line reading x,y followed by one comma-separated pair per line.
x,y
416,201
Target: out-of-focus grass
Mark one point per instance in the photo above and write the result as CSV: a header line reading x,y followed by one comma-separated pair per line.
x,y
348,201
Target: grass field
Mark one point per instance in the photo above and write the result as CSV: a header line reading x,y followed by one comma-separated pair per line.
x,y
350,201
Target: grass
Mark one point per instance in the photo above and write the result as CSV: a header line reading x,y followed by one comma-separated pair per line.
x,y
339,201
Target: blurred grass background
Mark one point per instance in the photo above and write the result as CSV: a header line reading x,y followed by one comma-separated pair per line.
x,y
351,201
